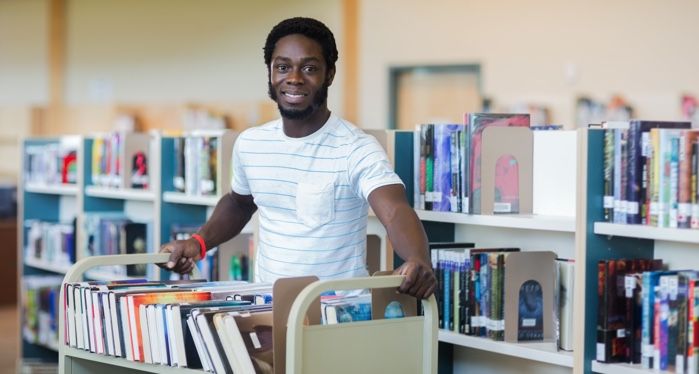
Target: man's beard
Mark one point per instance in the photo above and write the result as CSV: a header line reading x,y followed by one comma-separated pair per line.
x,y
296,114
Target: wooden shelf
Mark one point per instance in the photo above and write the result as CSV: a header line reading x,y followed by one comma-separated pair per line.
x,y
541,352
512,221
647,232
122,194
52,189
182,198
43,265
124,363
599,367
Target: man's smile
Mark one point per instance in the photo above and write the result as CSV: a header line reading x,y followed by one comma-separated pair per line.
x,y
294,97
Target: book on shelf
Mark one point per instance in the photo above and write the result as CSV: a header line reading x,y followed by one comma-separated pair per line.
x,y
52,163
532,310
248,337
440,166
627,317
507,179
566,310
648,171
39,307
120,160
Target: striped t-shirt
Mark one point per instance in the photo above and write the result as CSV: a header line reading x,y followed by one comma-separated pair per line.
x,y
311,194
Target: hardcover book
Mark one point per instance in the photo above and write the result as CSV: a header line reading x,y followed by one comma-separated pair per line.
x,y
506,180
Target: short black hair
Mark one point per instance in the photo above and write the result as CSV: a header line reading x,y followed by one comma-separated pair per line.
x,y
308,27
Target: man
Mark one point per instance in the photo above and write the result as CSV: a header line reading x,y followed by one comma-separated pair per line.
x,y
310,174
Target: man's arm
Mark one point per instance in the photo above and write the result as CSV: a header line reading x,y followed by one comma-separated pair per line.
x,y
408,238
230,215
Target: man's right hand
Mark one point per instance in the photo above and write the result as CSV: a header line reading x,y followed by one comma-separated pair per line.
x,y
183,255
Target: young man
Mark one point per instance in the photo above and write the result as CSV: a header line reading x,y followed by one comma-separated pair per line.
x,y
312,176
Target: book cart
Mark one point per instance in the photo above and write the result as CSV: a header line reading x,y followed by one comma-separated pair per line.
x,y
404,345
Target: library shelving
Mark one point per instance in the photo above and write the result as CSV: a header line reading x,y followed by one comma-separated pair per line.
x,y
48,195
582,236
602,240
458,352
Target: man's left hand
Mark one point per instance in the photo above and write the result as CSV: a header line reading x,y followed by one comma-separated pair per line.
x,y
419,281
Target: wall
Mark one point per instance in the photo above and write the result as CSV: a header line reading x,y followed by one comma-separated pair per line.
x,y
543,51
156,51
23,52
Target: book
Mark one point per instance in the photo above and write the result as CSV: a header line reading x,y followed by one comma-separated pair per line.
x,y
530,277
249,337
506,181
638,151
566,290
346,309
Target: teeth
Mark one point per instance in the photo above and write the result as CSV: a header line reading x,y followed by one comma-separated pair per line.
x,y
294,95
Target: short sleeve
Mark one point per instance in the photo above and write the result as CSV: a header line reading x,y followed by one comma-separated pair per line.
x,y
239,182
368,167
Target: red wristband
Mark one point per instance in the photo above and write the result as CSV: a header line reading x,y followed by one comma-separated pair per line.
x,y
202,245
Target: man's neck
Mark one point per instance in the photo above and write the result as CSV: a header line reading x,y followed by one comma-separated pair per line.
x,y
299,128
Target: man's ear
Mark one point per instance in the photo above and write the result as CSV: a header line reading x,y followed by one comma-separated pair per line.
x,y
330,76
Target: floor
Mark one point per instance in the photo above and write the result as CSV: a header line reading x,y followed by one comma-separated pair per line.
x,y
9,339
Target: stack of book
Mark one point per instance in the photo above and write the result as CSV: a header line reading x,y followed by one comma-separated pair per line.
x,y
40,295
196,165
648,315
50,243
175,323
649,167
52,163
476,285
120,160
448,165
112,234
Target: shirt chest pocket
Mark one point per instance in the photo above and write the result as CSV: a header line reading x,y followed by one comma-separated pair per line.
x,y
315,203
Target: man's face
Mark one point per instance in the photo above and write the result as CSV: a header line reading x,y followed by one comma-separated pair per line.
x,y
299,77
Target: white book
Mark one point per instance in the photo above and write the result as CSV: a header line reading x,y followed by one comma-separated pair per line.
x,y
87,296
106,312
160,333
145,334
133,329
170,327
97,321
566,272
70,316
198,344
115,326
126,328
210,343
233,344
77,307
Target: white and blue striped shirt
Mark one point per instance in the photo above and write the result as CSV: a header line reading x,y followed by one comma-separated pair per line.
x,y
311,194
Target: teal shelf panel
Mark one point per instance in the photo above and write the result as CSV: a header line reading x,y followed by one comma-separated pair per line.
x,y
600,247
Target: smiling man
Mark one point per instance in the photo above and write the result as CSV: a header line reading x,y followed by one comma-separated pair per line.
x,y
313,177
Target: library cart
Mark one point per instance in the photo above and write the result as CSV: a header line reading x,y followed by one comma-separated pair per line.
x,y
404,345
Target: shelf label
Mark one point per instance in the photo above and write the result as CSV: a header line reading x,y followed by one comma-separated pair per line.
x,y
600,352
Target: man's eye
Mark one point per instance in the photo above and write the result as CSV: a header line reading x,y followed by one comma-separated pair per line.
x,y
282,68
310,68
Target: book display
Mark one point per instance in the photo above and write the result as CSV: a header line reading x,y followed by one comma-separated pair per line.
x,y
141,326
493,301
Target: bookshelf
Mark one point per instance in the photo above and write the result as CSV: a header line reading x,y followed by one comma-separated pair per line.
x,y
557,233
602,240
540,352
44,197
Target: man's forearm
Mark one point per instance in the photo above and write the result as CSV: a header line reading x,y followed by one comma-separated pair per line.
x,y
227,220
402,225
406,233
